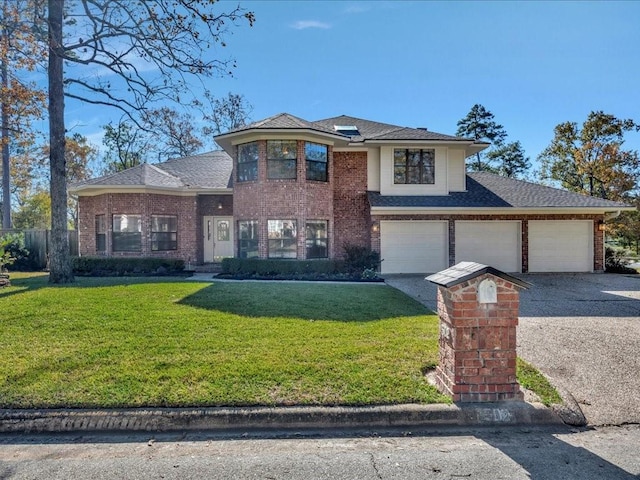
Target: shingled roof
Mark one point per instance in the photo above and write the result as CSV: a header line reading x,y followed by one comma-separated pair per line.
x,y
207,171
487,190
370,130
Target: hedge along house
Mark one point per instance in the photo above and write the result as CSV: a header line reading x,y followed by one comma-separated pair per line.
x,y
288,188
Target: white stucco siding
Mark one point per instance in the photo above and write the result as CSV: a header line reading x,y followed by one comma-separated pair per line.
x,y
387,187
456,170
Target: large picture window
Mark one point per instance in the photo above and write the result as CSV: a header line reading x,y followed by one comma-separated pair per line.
x,y
248,239
101,233
282,239
316,157
414,166
164,232
127,233
316,238
282,158
248,162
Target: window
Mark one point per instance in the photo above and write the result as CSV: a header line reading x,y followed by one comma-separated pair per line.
x,y
317,239
127,233
101,233
164,232
414,166
248,162
316,156
282,239
248,241
281,159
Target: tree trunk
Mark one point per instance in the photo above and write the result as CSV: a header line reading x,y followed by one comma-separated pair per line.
x,y
59,260
6,166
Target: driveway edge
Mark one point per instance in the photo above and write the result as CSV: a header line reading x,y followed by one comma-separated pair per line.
x,y
261,418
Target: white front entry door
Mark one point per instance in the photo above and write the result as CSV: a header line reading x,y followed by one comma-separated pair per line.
x,y
218,238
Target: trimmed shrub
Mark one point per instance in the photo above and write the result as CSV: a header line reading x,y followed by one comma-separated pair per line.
x,y
358,260
126,266
272,267
615,260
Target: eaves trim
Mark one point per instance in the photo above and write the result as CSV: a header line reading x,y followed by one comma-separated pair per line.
x,y
497,210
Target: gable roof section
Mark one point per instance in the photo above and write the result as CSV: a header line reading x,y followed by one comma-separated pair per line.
x,y
207,171
487,190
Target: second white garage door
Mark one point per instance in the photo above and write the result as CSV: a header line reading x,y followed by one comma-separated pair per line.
x,y
413,246
493,243
561,246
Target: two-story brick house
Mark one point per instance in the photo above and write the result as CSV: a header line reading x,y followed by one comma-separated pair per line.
x,y
285,187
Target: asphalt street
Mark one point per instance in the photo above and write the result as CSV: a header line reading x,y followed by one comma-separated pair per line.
x,y
508,453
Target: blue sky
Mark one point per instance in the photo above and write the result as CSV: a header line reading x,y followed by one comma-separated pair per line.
x,y
424,64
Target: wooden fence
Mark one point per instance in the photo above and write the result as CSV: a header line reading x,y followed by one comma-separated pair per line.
x,y
38,241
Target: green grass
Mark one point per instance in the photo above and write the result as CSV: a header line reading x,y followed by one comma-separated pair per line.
x,y
529,377
170,342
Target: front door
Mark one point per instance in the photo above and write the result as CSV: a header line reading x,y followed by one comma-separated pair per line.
x,y
218,238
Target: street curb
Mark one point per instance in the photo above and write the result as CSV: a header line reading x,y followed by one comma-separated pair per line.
x,y
267,418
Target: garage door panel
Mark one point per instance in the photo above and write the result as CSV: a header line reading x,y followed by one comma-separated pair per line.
x,y
493,243
561,246
413,246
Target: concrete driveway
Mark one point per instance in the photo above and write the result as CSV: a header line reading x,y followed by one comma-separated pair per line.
x,y
582,331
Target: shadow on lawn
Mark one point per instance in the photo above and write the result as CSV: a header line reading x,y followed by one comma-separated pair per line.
x,y
352,303
21,283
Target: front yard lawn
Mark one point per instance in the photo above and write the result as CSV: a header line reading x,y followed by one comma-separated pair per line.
x,y
133,342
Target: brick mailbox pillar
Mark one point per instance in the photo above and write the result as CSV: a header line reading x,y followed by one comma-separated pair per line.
x,y
478,308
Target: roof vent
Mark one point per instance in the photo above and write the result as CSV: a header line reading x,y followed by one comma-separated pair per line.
x,y
348,130
423,128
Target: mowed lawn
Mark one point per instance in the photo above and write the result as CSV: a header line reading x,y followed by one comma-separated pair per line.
x,y
133,342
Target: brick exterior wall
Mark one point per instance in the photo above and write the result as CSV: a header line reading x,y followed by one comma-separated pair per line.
x,y
598,236
146,205
296,199
478,342
351,206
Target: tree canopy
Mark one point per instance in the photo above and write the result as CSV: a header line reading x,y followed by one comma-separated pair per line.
x,y
591,158
506,159
143,52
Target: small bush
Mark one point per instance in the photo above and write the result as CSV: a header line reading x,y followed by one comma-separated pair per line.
x,y
358,260
125,266
615,260
13,251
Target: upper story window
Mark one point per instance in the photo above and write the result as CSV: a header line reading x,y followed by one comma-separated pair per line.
x,y
248,162
414,166
282,158
317,165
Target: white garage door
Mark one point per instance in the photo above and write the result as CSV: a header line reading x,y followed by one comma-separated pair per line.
x,y
561,246
413,247
493,243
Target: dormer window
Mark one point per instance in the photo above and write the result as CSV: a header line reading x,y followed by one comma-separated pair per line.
x,y
414,166
348,130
